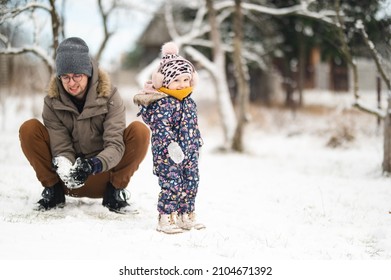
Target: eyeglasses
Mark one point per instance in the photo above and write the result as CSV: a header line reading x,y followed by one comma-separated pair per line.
x,y
66,78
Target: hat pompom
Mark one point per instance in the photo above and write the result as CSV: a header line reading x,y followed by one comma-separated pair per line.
x,y
170,48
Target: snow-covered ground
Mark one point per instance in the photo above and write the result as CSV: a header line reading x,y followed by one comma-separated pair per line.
x,y
289,198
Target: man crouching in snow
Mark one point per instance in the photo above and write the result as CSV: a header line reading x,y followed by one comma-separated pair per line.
x,y
84,148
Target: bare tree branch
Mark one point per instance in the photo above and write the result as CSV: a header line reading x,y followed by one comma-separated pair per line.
x,y
168,10
40,52
12,13
373,111
48,58
56,25
107,34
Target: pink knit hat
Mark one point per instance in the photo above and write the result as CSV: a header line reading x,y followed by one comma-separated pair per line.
x,y
172,66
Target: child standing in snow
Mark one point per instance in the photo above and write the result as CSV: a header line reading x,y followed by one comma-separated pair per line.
x,y
166,106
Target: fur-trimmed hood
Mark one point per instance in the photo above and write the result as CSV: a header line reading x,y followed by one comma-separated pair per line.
x,y
103,88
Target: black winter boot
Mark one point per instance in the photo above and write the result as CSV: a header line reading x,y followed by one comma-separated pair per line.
x,y
52,197
116,200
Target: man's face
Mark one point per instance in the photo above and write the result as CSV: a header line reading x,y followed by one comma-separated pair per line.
x,y
75,84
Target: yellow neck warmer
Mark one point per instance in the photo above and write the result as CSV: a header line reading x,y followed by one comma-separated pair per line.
x,y
179,94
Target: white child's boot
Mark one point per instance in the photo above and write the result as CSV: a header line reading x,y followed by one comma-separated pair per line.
x,y
167,224
188,221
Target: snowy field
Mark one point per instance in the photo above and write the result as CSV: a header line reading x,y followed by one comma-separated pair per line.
x,y
289,198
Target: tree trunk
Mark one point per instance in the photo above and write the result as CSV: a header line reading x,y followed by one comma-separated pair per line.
x,y
387,140
56,24
302,69
345,49
225,107
241,75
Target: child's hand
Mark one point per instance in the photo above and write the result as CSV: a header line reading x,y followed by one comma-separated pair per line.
x,y
175,152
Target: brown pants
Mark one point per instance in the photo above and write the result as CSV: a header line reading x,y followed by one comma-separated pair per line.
x,y
35,142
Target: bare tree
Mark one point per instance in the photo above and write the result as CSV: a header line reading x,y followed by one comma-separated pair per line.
x,y
34,48
14,53
56,16
382,114
225,105
107,34
109,11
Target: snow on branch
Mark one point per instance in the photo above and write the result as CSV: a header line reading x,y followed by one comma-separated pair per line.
x,y
299,9
248,55
375,55
374,111
198,28
198,21
200,58
30,49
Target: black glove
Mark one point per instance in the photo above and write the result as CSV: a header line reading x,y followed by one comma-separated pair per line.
x,y
82,169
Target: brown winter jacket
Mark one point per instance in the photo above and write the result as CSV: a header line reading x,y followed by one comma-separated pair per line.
x,y
96,131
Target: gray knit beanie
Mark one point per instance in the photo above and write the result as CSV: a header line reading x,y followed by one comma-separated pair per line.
x,y
72,57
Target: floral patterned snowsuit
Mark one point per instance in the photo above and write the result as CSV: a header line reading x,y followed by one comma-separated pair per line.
x,y
173,120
